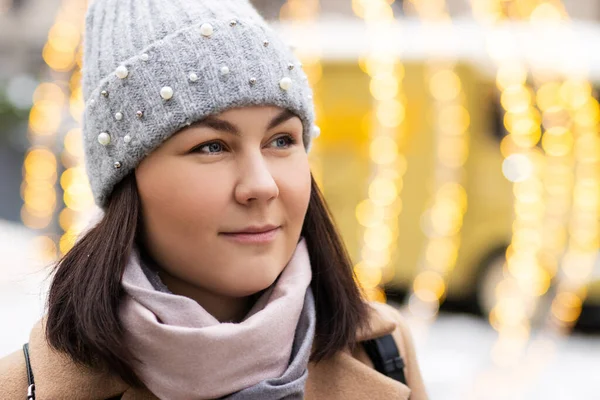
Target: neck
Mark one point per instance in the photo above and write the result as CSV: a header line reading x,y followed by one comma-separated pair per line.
x,y
223,308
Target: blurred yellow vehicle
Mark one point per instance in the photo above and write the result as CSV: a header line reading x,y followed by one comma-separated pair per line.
x,y
341,163
343,160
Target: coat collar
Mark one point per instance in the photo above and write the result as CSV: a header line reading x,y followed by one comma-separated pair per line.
x,y
343,377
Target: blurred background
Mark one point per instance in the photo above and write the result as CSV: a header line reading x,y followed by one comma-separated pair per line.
x,y
460,155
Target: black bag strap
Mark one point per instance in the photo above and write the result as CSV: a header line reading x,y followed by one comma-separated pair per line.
x,y
386,358
30,382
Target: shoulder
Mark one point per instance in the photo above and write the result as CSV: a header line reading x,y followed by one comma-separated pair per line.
x,y
13,376
385,315
383,319
55,374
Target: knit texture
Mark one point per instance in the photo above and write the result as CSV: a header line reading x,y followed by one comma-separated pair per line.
x,y
153,67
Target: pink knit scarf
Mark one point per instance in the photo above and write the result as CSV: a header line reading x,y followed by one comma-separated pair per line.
x,y
186,353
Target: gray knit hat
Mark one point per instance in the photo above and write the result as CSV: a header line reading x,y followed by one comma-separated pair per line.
x,y
152,67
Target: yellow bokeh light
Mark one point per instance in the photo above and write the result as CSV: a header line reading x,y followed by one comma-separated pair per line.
x,y
509,311
383,150
73,143
545,13
455,191
66,242
588,115
45,248
384,87
41,191
452,151
40,163
376,258
446,217
390,113
367,277
50,92
45,117
35,221
454,119
440,252
557,141
73,177
368,214
566,306
548,96
430,281
575,93
76,105
383,191
445,85
57,59
378,237
64,36
587,148
556,116
511,74
530,114
516,98
377,11
67,218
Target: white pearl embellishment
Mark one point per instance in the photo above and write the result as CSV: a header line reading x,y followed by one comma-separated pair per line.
x,y
166,92
224,70
104,139
117,165
206,30
122,72
92,102
193,77
252,81
285,83
315,132
144,57
119,116
127,139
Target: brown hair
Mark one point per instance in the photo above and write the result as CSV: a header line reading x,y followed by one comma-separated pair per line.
x,y
83,302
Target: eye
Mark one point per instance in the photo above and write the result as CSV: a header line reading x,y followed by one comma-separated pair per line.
x,y
283,142
209,148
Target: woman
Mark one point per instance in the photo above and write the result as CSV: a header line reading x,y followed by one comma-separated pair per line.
x,y
215,271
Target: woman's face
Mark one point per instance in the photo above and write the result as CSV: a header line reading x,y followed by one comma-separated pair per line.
x,y
224,199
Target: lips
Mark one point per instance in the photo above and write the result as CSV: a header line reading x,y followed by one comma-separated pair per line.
x,y
254,234
254,229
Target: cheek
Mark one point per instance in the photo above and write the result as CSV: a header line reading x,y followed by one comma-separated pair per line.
x,y
181,199
294,190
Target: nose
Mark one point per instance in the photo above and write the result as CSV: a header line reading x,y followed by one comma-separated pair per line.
x,y
256,183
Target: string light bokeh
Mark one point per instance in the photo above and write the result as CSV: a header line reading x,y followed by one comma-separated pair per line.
x,y
442,220
378,214
539,105
47,121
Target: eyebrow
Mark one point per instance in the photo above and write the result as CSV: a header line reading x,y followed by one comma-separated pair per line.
x,y
225,126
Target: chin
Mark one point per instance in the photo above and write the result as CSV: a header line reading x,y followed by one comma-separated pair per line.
x,y
250,285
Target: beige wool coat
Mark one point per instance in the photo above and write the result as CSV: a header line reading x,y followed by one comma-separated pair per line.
x,y
346,376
